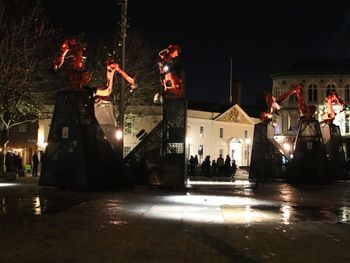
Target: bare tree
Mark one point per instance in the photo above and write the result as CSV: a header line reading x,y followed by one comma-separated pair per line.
x,y
25,84
140,64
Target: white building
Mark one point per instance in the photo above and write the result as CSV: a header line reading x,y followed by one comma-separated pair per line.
x,y
208,132
318,76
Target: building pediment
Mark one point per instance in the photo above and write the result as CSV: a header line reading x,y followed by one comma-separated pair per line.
x,y
235,114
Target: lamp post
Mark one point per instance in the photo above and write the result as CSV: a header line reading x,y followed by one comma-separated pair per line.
x,y
248,142
123,27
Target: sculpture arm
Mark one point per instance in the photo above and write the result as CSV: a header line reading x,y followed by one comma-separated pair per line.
x,y
125,75
58,62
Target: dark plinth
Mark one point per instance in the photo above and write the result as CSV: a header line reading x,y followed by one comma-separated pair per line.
x,y
309,163
78,156
266,161
334,150
160,158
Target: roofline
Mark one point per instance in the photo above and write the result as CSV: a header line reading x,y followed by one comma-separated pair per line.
x,y
306,72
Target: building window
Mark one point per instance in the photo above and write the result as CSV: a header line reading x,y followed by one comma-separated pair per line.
x,y
221,132
347,92
201,131
292,98
245,134
312,95
128,127
127,149
347,124
23,128
221,152
330,87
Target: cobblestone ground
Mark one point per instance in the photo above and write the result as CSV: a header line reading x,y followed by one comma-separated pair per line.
x,y
206,223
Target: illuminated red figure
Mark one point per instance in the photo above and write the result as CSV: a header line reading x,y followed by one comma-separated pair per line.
x,y
331,98
78,77
106,90
170,75
306,111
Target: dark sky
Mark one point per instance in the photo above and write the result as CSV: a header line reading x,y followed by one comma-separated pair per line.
x,y
261,37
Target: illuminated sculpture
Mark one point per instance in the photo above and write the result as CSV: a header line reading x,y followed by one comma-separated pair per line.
x,y
79,80
274,105
331,98
169,73
81,151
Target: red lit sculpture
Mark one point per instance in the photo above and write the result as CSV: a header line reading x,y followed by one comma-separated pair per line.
x,y
306,111
78,77
170,75
331,98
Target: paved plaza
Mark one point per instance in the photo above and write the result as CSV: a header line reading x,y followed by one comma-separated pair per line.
x,y
207,222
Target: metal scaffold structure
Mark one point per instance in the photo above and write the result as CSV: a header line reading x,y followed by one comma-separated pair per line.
x,y
318,154
160,158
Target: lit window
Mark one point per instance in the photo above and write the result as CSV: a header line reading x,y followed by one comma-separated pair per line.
x,y
330,87
312,93
200,150
292,98
127,149
201,131
221,132
128,127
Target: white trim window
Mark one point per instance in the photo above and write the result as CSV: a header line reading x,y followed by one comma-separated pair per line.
x,y
201,131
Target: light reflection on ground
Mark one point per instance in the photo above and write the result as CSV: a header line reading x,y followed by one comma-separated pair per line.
x,y
230,203
236,182
7,184
218,209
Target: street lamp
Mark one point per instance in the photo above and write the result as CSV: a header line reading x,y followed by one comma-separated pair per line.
x,y
119,134
123,27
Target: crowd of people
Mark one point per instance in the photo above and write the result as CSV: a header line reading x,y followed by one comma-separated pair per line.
x,y
14,163
216,168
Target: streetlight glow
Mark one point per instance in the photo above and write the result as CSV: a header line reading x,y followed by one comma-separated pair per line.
x,y
118,135
287,146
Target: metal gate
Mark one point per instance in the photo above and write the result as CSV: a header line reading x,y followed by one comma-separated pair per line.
x,y
160,158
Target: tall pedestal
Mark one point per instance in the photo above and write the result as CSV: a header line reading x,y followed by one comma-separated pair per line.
x,y
309,162
334,150
160,158
78,154
267,162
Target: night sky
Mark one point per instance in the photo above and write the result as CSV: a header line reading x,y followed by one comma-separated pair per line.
x,y
261,37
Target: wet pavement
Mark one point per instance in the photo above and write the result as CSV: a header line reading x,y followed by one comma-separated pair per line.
x,y
208,222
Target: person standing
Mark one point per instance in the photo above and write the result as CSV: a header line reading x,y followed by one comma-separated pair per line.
x,y
234,169
220,165
35,163
227,166
213,168
191,167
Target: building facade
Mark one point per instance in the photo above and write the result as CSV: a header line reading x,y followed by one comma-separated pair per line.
x,y
319,77
22,140
209,133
